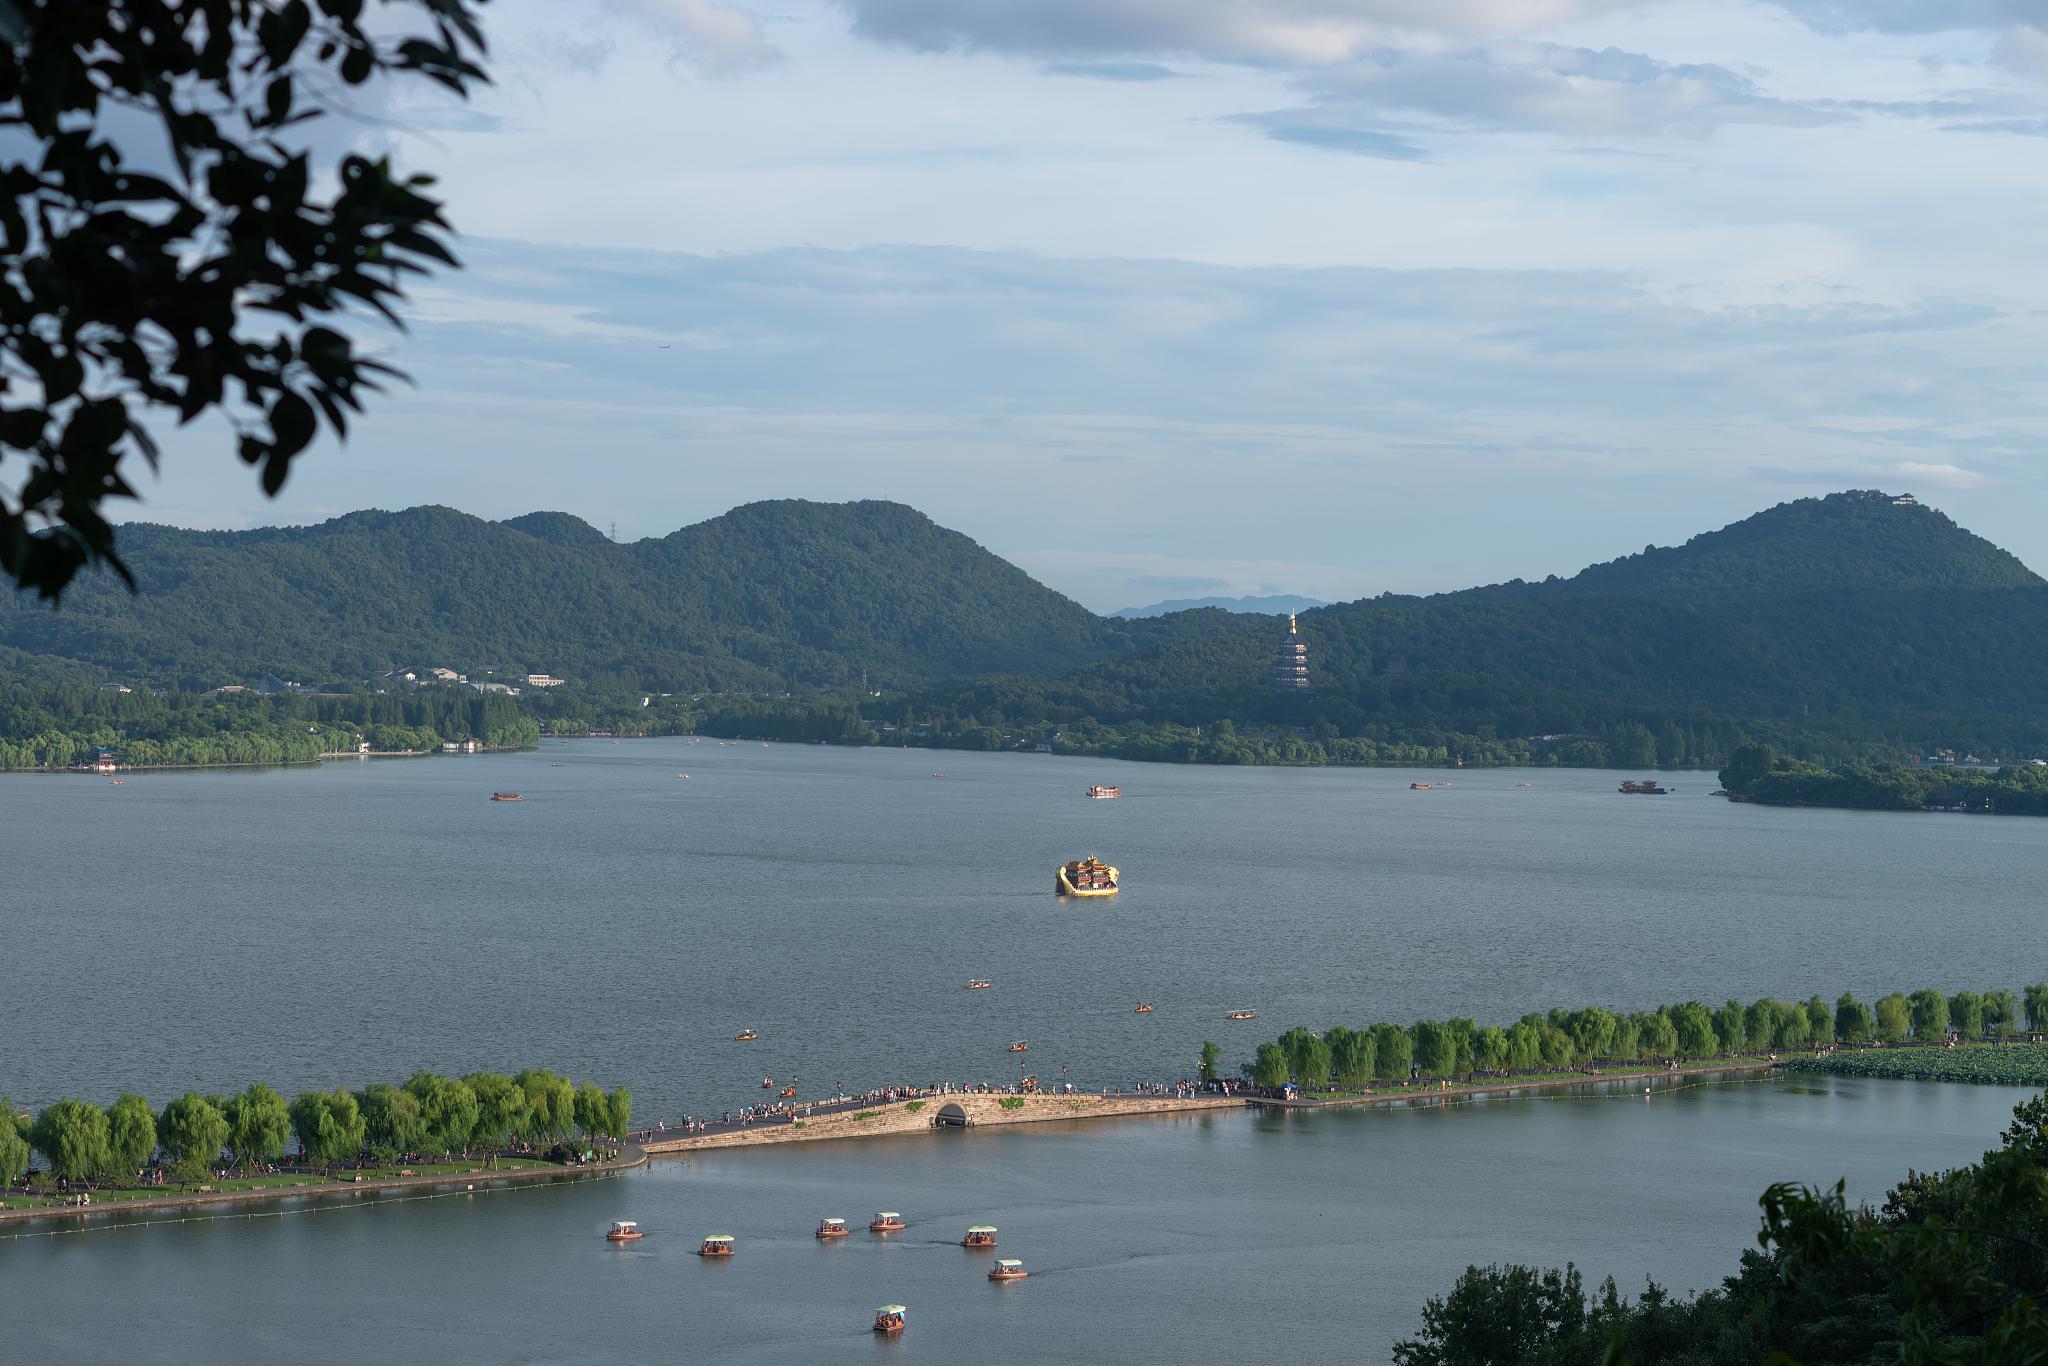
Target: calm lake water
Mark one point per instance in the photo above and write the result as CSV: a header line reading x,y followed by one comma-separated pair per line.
x,y
362,920
359,921
1200,1238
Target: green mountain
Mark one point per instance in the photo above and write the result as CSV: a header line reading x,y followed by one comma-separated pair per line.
x,y
1847,621
770,595
1856,624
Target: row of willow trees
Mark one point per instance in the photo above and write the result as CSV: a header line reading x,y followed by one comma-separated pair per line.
x,y
194,1134
1565,1039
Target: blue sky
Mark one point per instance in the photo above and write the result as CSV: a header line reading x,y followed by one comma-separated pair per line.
x,y
1169,297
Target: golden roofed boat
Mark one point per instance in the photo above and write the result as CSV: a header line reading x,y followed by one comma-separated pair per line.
x,y
1086,877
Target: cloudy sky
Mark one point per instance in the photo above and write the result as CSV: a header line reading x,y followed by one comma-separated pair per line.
x,y
1168,297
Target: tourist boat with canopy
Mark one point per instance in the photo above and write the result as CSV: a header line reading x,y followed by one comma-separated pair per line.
x,y
888,1221
745,1036
1242,1015
832,1228
623,1231
1101,793
1144,1008
1020,1047
1086,877
717,1245
889,1318
504,796
979,984
1008,1269
980,1235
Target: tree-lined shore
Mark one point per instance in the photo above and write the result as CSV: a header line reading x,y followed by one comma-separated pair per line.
x,y
130,1146
1343,1058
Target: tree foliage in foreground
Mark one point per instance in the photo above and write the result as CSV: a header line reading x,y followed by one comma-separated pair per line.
x,y
133,292
1951,1271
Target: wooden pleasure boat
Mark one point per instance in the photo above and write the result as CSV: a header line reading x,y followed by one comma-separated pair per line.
x,y
1100,793
717,1245
504,796
979,984
1144,1008
889,1318
832,1228
1242,1015
1020,1047
981,1235
1086,877
888,1221
1008,1269
623,1231
745,1036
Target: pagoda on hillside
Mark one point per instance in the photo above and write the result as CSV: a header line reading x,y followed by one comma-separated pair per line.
x,y
1290,661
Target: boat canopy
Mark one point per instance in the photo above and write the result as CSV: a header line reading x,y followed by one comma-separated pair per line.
x,y
624,1223
892,1309
835,1221
1009,1264
982,1228
719,1238
888,1214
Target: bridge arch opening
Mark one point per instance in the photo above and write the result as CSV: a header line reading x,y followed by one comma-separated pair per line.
x,y
951,1116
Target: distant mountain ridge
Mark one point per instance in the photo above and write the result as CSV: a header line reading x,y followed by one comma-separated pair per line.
x,y
1859,619
769,595
1275,605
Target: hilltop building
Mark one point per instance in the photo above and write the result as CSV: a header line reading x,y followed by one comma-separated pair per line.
x,y
1290,661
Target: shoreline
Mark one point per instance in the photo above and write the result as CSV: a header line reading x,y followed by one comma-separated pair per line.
x,y
631,1158
896,1118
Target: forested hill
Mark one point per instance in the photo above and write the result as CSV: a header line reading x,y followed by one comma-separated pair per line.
x,y
1862,540
1834,625
769,595
1852,624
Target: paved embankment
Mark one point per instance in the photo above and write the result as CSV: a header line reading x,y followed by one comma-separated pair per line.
x,y
908,1116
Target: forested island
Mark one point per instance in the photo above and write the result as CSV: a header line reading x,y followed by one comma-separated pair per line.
x,y
1759,774
1846,633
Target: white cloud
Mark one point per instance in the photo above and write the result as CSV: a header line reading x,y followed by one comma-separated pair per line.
x,y
1552,88
706,33
1941,474
1299,31
2023,49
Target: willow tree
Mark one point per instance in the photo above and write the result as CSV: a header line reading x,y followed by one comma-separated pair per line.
x,y
131,1134
1930,1014
259,1125
72,1134
1894,1018
193,1131
1853,1022
14,1145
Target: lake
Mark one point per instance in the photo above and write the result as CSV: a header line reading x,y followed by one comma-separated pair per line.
x,y
328,926
1221,1236
360,920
